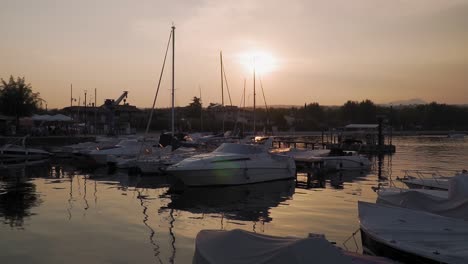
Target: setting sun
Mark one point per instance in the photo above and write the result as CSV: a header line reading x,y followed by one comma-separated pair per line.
x,y
263,62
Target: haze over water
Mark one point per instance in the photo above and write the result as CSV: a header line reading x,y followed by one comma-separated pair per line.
x,y
56,213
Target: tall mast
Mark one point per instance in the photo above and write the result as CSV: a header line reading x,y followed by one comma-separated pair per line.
x,y
201,110
243,109
222,85
254,129
173,81
222,80
71,94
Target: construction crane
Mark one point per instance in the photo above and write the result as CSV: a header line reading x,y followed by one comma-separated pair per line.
x,y
109,105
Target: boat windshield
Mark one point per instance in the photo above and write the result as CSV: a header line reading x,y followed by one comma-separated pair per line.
x,y
238,149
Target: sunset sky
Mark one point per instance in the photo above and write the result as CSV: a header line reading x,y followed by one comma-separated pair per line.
x,y
308,51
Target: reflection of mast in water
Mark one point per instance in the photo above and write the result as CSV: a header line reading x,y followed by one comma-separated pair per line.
x,y
145,222
95,193
79,186
84,196
70,198
171,233
222,220
254,226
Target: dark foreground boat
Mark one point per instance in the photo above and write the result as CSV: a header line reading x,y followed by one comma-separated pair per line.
x,y
239,246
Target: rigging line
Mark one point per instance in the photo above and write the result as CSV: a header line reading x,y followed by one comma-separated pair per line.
x,y
156,247
263,92
159,85
227,86
155,96
240,108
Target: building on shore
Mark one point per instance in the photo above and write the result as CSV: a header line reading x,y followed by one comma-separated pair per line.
x,y
100,120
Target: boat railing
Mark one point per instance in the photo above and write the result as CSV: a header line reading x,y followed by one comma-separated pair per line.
x,y
19,141
423,175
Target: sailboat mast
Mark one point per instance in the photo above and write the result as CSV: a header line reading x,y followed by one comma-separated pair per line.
x,y
254,94
222,85
201,110
173,80
243,109
222,80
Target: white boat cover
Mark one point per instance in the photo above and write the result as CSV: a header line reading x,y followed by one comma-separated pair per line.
x,y
306,155
455,205
432,236
238,246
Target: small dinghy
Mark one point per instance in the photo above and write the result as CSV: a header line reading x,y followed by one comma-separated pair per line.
x,y
335,160
239,246
412,236
451,203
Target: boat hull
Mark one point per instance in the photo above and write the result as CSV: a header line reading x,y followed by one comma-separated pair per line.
x,y
373,246
8,154
231,176
346,163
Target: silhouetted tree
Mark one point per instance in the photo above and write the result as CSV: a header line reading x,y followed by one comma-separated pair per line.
x,y
194,108
17,98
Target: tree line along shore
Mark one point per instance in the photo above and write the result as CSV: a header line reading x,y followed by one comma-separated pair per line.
x,y
17,100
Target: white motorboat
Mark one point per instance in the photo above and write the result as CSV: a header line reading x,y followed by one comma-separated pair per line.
x,y
346,160
156,164
234,164
428,179
126,148
412,236
451,203
239,246
12,153
84,148
332,160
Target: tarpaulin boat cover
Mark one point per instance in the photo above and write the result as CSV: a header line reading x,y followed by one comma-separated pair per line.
x,y
307,155
429,235
238,246
456,205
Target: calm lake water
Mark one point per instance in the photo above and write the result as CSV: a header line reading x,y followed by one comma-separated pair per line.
x,y
57,213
